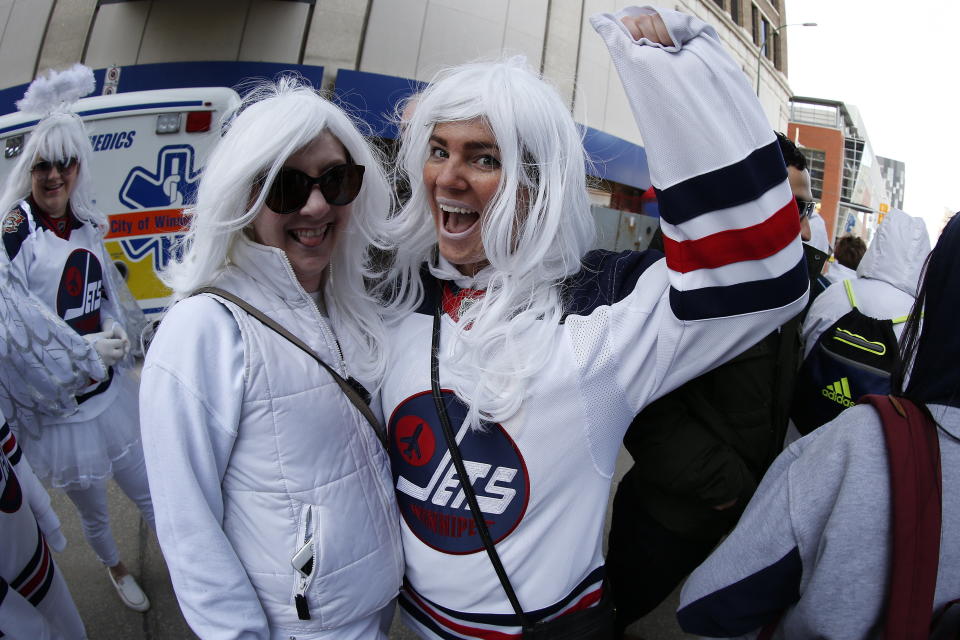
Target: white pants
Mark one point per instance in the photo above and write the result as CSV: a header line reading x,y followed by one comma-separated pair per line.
x,y
131,475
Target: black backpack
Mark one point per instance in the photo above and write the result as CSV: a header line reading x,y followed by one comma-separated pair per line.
x,y
852,358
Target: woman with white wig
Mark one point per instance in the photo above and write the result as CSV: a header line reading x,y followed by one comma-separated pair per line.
x,y
274,506
75,414
533,354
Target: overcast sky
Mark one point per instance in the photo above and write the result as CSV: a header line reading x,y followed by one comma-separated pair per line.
x,y
898,63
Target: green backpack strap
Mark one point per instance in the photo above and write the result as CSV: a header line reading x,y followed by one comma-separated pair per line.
x,y
848,286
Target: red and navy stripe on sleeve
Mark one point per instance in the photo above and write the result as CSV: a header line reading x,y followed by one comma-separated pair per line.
x,y
9,445
731,239
33,582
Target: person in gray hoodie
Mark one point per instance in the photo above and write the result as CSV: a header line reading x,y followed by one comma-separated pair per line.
x,y
812,552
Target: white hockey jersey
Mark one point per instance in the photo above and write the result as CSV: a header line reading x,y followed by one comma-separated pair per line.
x,y
68,277
637,327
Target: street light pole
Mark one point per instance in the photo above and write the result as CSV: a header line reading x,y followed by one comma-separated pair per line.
x,y
763,45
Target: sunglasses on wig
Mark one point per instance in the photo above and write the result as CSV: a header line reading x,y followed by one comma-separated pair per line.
x,y
44,167
291,188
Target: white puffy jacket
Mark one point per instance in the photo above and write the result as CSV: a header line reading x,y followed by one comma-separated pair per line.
x,y
250,448
886,282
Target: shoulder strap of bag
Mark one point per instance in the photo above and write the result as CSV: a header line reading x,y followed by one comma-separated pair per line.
x,y
913,449
462,473
345,386
848,286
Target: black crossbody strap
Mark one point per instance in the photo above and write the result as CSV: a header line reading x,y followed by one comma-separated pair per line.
x,y
465,479
345,386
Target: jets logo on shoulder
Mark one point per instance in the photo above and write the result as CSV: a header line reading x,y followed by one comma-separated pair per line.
x,y
12,221
81,285
839,392
428,487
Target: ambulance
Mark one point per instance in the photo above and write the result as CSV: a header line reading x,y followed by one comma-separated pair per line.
x,y
148,150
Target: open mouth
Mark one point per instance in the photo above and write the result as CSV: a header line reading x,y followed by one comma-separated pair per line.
x,y
458,221
311,237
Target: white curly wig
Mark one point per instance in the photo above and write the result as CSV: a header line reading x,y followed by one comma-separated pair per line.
x,y
530,252
59,135
272,123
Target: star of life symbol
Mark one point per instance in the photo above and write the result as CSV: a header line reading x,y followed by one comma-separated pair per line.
x,y
159,248
170,185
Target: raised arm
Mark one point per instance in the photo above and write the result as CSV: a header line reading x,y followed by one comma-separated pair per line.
x,y
734,262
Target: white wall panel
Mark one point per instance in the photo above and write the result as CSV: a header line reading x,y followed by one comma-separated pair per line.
x,y
181,30
493,10
274,31
394,31
618,118
453,36
66,33
336,35
116,34
525,28
593,70
563,36
26,21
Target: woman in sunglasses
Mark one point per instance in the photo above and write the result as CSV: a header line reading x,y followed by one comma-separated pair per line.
x,y
53,249
275,510
544,350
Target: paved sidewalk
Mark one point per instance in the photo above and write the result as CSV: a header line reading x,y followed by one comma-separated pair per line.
x,y
107,619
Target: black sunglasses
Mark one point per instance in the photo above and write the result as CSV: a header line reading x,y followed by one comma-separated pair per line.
x,y
63,166
806,207
291,188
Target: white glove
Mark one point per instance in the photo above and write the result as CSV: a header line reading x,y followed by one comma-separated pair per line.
x,y
109,349
56,540
117,331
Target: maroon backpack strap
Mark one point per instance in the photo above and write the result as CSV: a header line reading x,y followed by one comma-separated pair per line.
x,y
913,450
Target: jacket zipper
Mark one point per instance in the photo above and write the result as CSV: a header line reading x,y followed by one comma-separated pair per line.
x,y
381,490
324,327
300,598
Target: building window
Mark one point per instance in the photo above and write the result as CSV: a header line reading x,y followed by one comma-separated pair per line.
x,y
719,3
815,163
852,156
765,38
777,54
735,11
755,25
815,114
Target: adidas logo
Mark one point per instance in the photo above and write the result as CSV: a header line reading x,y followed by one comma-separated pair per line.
x,y
839,392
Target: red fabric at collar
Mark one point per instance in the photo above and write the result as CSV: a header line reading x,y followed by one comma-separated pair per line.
x,y
60,226
453,300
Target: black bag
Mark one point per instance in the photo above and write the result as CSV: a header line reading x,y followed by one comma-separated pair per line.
x,y
592,623
851,359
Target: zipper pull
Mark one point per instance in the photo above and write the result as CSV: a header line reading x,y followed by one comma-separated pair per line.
x,y
303,612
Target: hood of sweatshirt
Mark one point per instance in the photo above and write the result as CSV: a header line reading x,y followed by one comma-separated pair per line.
x,y
897,252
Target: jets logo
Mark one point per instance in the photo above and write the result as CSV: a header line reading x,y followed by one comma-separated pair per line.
x,y
12,221
81,285
429,490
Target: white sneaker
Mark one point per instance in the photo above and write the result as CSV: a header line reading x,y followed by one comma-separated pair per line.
x,y
130,592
